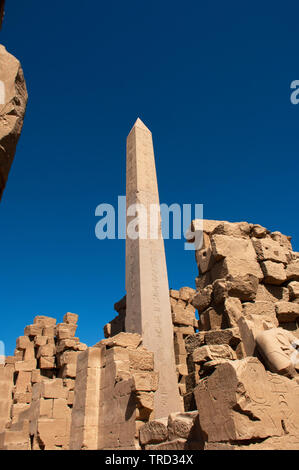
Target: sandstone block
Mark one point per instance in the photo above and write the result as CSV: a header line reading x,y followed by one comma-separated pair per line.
x,y
70,318
44,321
270,293
283,240
141,359
233,310
212,318
145,381
236,267
264,309
180,424
174,294
201,300
194,341
292,270
53,389
226,415
287,311
22,342
293,290
230,336
257,231
213,352
47,350
35,376
25,365
66,330
177,444
186,293
224,246
274,273
145,404
153,432
69,371
123,340
267,249
47,362
33,330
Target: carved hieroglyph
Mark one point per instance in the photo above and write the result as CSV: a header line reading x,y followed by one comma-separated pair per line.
x,y
148,306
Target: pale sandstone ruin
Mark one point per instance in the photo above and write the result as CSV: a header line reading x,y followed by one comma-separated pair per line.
x,y
214,367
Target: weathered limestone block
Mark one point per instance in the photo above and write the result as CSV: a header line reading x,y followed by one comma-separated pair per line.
x,y
12,111
201,300
124,340
241,402
274,273
46,362
146,381
25,365
267,249
183,314
287,311
47,350
44,321
22,342
51,389
174,294
145,405
194,341
233,229
153,432
70,318
293,290
213,352
283,240
186,293
65,330
233,310
212,318
181,425
224,246
177,444
33,330
278,348
141,359
292,270
257,231
233,266
264,309
230,336
270,293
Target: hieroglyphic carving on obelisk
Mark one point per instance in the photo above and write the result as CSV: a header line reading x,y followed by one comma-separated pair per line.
x,y
148,306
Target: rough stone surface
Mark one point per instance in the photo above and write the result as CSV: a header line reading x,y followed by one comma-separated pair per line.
x,y
11,112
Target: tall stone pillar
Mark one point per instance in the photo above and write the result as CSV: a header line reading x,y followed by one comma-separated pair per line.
x,y
148,306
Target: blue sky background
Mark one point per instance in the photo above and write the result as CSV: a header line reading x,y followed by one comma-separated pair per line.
x,y
212,82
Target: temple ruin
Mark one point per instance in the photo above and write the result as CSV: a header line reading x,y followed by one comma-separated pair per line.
x,y
213,367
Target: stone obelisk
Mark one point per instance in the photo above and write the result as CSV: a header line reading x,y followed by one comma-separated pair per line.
x,y
148,307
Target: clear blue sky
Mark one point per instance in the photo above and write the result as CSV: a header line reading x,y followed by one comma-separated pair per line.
x,y
212,82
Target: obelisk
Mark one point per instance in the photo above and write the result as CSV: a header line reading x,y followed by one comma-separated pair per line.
x,y
148,307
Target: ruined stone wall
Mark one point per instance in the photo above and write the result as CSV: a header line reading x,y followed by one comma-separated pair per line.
x,y
42,377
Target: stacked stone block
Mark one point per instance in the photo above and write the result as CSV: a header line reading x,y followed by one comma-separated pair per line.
x,y
178,431
43,372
